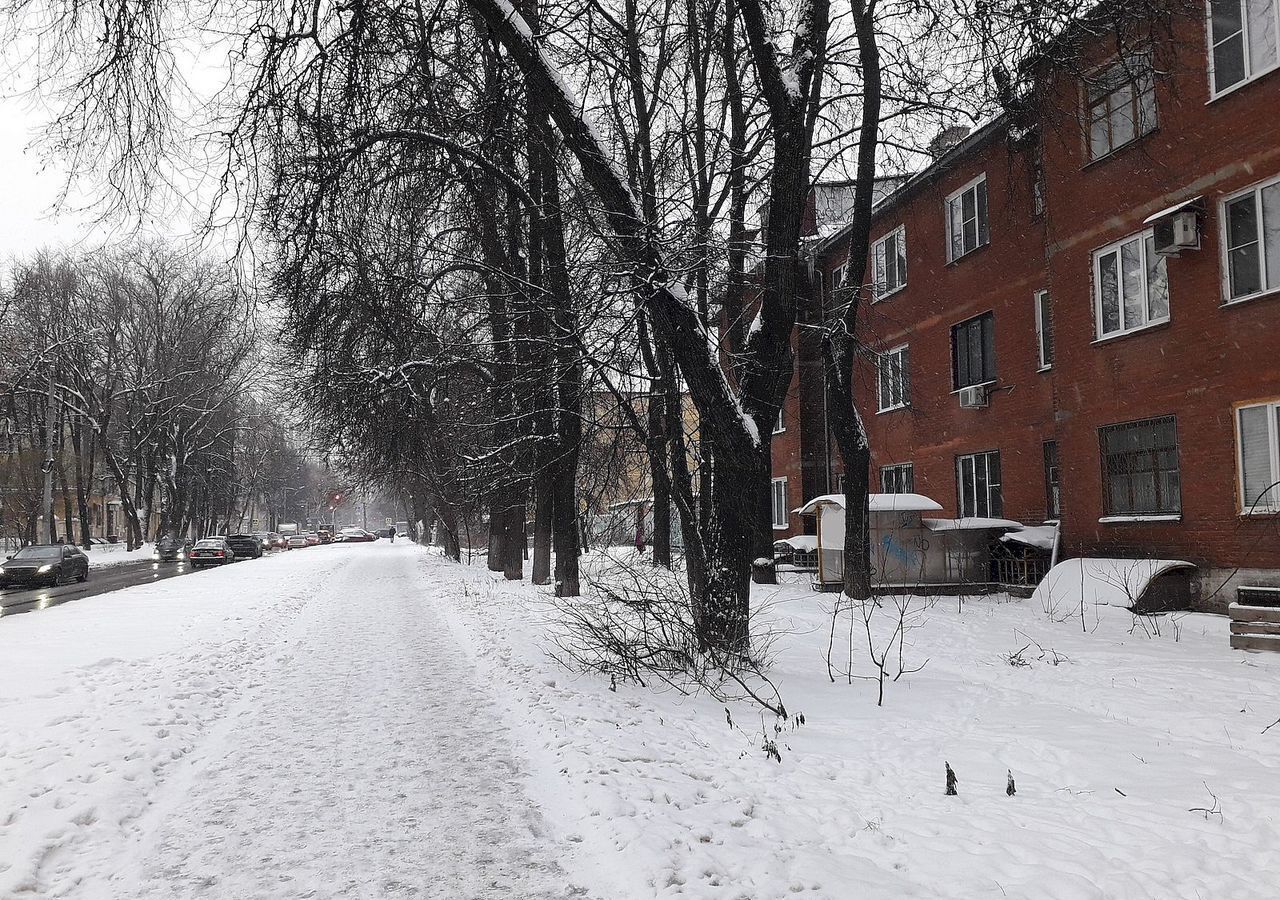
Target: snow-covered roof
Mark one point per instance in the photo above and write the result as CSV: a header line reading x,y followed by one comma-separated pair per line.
x,y
1038,536
802,542
969,523
875,503
1109,582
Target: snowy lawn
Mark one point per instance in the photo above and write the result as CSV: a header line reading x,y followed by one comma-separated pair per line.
x,y
372,721
1111,749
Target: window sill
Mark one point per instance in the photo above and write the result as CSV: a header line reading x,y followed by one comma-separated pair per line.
x,y
986,384
1248,298
887,294
978,249
1227,92
1048,368
1153,517
1150,326
889,409
781,527
1116,151
1259,511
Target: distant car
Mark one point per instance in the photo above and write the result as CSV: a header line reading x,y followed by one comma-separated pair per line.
x,y
50,564
264,539
296,541
212,551
326,537
246,546
313,539
170,549
276,540
355,536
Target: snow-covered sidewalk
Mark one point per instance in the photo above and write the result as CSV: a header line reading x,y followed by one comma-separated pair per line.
x,y
301,726
372,721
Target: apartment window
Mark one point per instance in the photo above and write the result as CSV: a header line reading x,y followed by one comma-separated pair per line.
x,y
978,480
837,276
1044,330
899,479
1038,187
1052,481
1258,437
1140,468
894,378
780,424
1252,224
973,351
1243,34
779,503
1121,105
890,259
1130,285
967,226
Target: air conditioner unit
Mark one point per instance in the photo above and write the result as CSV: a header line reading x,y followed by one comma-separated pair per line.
x,y
973,397
1177,232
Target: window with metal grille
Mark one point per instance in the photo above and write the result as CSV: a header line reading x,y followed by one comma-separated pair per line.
x,y
978,483
1140,468
897,479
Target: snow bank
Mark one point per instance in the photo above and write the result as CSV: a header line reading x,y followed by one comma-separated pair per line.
x,y
805,543
1106,582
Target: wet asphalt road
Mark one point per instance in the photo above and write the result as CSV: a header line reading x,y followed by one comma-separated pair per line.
x,y
110,578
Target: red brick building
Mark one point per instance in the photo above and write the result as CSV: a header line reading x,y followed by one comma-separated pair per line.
x,y
1078,315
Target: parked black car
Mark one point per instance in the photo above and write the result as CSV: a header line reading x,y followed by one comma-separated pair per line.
x,y
50,564
246,546
170,549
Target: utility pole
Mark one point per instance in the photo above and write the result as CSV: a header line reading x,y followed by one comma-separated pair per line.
x,y
50,418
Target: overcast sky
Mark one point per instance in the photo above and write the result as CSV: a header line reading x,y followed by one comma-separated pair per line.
x,y
26,223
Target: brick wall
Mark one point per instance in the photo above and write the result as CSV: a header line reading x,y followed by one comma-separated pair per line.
x,y
1199,366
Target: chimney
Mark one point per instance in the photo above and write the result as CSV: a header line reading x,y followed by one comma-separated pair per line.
x,y
946,139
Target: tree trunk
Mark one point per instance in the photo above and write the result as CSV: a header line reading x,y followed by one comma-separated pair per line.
x,y
544,488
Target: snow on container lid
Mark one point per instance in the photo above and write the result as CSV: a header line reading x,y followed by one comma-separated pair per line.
x,y
875,503
969,523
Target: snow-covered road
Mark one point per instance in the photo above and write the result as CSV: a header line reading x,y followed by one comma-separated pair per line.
x,y
322,737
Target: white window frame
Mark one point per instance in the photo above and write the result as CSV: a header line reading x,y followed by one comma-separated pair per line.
x,y
1143,238
773,497
1042,329
959,195
985,456
1273,441
904,378
838,275
880,262
780,425
1224,239
897,467
1210,44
